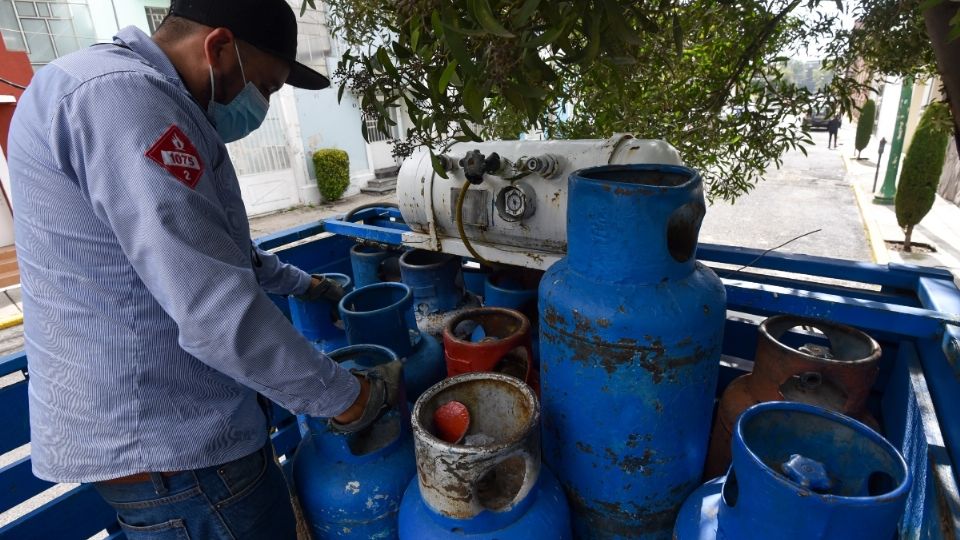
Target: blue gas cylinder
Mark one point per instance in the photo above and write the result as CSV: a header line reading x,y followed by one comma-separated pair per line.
x,y
373,264
436,280
474,277
351,485
489,485
502,289
516,290
318,320
382,314
631,327
801,472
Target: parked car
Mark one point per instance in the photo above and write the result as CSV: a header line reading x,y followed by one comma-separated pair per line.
x,y
817,119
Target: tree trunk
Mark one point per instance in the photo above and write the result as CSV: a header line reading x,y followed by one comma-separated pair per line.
x,y
908,232
858,155
937,21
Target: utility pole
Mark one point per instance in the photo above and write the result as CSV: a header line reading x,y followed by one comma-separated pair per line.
x,y
889,189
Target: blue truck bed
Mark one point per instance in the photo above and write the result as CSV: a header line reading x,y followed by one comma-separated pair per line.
x,y
914,313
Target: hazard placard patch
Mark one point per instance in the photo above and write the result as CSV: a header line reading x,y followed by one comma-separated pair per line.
x,y
174,152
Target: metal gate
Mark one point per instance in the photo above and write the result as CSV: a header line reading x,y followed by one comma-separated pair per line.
x,y
263,164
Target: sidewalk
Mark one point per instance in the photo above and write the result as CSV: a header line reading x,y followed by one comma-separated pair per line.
x,y
940,228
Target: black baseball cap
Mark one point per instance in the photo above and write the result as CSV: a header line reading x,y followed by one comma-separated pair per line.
x,y
269,25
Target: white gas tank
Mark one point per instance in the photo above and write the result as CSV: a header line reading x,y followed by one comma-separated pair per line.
x,y
518,213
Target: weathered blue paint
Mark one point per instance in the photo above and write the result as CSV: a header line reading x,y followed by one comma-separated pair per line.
x,y
318,320
382,314
368,264
350,486
765,495
434,279
383,225
437,284
543,513
631,330
864,314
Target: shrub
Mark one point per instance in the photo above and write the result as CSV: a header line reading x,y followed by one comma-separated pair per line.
x,y
865,125
333,172
921,169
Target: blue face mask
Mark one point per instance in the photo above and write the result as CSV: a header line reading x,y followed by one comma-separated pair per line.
x,y
243,114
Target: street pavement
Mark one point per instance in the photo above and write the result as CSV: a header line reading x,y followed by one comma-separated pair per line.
x,y
805,194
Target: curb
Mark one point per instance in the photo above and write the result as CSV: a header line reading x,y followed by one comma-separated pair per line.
x,y
16,320
878,249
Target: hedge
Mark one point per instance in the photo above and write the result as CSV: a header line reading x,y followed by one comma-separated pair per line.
x,y
333,172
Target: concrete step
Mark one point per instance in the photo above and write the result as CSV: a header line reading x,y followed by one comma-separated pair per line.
x,y
378,190
382,182
387,172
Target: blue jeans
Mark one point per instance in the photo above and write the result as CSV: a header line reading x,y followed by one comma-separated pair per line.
x,y
243,499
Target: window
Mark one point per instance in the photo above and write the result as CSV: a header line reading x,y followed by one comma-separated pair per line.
x,y
155,16
374,134
46,30
313,38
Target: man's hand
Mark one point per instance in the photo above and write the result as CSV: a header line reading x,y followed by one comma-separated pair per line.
x,y
379,390
323,288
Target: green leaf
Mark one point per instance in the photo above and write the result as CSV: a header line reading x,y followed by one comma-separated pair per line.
x,y
463,31
513,96
524,13
340,92
586,55
384,58
467,131
547,36
485,17
414,36
447,75
437,24
303,7
530,91
473,96
437,165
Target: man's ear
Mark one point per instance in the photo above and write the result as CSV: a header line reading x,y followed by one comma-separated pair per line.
x,y
218,48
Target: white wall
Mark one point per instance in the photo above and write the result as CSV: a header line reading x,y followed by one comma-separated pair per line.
x,y
6,217
109,14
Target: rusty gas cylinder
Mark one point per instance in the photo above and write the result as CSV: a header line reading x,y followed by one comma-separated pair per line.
x,y
835,374
489,483
489,339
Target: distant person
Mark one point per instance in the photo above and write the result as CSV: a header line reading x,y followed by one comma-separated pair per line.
x,y
833,126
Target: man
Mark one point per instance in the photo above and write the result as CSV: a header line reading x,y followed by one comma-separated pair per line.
x,y
147,326
833,127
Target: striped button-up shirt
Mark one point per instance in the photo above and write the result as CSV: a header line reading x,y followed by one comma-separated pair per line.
x,y
147,327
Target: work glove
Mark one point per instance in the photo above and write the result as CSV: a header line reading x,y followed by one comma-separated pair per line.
x,y
385,393
323,289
